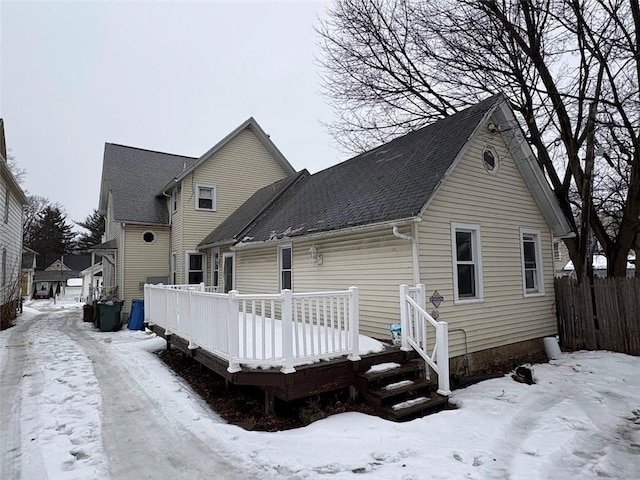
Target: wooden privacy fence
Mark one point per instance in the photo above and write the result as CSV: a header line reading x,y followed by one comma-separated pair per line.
x,y
603,315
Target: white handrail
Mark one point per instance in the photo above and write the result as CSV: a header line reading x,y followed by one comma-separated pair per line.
x,y
264,330
414,320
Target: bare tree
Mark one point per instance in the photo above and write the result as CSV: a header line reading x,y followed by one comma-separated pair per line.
x,y
19,173
35,206
569,68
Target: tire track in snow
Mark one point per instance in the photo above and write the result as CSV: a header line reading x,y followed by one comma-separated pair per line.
x,y
140,441
61,406
11,401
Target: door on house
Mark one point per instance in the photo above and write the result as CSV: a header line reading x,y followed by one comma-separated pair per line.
x,y
228,272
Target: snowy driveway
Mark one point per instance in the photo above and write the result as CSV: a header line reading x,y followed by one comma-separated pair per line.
x,y
80,404
73,408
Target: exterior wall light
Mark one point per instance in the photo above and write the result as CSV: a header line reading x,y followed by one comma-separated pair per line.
x,y
314,253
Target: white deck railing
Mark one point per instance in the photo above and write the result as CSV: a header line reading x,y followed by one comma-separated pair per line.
x,y
415,325
272,330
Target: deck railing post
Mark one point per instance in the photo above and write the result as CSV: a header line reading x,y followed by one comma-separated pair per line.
x,y
287,331
146,301
404,317
354,324
233,327
422,297
192,324
166,314
442,342
202,289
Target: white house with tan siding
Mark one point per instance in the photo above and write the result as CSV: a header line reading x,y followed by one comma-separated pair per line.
x,y
460,206
12,201
159,206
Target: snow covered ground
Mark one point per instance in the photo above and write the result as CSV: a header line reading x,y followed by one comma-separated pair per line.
x,y
81,404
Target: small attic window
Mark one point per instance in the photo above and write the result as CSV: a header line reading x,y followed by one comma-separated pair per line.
x,y
149,237
490,160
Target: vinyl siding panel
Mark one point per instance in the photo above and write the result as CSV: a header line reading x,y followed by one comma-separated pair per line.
x,y
11,241
237,171
374,261
144,259
501,204
176,237
112,275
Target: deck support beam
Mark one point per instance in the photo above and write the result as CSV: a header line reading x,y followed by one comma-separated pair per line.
x,y
269,402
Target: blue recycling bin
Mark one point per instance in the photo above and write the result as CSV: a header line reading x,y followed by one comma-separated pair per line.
x,y
136,315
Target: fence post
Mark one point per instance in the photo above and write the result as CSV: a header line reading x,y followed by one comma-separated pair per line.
x,y
233,324
287,331
442,342
192,324
354,324
202,289
404,317
167,329
422,296
147,313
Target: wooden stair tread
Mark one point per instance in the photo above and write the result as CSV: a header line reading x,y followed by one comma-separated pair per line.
x,y
436,400
417,384
407,367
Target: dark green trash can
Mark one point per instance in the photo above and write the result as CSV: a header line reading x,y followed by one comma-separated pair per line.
x,y
110,315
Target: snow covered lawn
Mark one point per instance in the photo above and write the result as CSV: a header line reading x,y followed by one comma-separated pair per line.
x,y
581,420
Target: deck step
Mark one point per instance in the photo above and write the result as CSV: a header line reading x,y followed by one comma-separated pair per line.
x,y
414,385
406,368
414,410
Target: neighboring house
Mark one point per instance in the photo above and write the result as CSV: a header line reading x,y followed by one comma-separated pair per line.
x,y
92,280
159,206
560,257
12,202
53,272
599,263
460,205
28,271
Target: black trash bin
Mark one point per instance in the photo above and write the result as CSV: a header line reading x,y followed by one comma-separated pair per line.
x,y
96,314
110,315
87,313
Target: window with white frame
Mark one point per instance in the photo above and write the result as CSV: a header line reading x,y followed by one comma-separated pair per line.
x,y
195,268
174,268
532,278
467,262
174,200
228,271
557,254
215,267
206,197
286,270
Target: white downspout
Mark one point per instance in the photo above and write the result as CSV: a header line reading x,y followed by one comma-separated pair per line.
x,y
414,251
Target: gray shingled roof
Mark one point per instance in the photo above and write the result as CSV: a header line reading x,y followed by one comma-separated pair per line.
x,y
136,178
248,212
391,182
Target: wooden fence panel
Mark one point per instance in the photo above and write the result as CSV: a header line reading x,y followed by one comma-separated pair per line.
x,y
615,323
575,315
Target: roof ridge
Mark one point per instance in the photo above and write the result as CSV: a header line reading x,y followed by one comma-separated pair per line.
x,y
495,98
150,151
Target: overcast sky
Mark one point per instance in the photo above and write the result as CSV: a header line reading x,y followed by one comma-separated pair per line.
x,y
168,76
